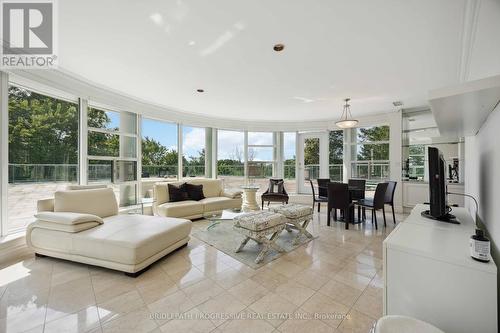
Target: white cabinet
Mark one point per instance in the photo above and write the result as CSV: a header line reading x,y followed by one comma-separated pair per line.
x,y
429,275
415,193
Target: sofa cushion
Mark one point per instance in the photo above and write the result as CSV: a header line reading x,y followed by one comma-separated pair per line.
x,y
293,211
100,202
180,208
177,193
211,187
130,239
218,203
195,192
67,218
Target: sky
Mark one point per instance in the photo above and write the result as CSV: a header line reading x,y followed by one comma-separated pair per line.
x,y
228,141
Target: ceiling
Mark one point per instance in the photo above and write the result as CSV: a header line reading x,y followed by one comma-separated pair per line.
x,y
374,52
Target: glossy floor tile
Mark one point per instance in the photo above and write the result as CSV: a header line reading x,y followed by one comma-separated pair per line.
x,y
331,284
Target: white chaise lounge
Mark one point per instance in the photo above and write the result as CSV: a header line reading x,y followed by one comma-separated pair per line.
x,y
128,243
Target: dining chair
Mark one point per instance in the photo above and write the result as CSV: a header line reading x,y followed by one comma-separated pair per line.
x,y
389,197
339,198
323,187
377,203
318,198
358,190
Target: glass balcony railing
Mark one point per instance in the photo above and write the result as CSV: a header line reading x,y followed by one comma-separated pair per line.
x,y
159,171
41,173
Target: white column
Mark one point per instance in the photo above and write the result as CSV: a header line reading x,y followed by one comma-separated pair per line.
x,y
4,150
214,153
278,167
245,157
208,152
324,155
179,151
83,142
138,142
395,156
347,172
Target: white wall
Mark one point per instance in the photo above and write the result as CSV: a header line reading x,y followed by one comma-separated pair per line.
x,y
482,177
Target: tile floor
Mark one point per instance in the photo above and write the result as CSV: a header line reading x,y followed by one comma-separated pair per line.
x,y
332,284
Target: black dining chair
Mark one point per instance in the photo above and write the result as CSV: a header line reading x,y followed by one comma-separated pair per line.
x,y
377,203
318,198
323,187
389,197
339,198
357,187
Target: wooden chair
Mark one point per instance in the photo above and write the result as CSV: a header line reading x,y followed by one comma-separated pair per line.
x,y
339,198
389,197
275,193
319,198
377,203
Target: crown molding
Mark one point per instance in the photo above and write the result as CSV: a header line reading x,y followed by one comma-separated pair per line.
x,y
468,36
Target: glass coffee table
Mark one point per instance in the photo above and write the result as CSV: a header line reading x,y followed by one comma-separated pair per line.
x,y
225,215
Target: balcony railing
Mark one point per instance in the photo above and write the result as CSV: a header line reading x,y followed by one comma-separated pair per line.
x,y
41,173
231,170
160,171
312,171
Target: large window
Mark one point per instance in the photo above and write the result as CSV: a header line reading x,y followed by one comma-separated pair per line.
x,y
159,150
230,157
193,151
261,158
370,153
336,155
112,152
289,161
43,151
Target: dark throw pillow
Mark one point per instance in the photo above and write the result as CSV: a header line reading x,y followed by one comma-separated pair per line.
x,y
195,192
177,193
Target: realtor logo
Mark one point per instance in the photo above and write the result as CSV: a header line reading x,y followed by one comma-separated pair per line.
x,y
28,34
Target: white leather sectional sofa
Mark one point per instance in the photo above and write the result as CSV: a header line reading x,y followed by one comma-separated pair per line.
x,y
128,243
216,199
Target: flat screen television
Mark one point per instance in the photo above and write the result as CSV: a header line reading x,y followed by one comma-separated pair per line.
x,y
438,199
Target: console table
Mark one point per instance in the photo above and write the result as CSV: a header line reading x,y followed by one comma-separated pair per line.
x,y
429,275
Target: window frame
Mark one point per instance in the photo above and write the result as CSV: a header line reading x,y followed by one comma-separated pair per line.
x,y
115,159
6,81
370,164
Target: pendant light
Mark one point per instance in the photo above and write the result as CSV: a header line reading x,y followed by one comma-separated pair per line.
x,y
346,120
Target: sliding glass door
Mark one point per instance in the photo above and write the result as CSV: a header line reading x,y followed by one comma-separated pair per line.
x,y
313,160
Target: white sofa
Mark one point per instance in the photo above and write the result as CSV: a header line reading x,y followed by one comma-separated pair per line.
x,y
216,199
128,243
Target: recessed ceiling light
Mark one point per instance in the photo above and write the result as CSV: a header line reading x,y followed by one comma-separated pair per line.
x,y
200,90
191,43
278,47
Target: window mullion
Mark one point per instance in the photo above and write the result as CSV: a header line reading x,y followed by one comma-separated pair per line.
x,y
4,150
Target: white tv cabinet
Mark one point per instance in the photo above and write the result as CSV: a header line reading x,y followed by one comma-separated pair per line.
x,y
429,275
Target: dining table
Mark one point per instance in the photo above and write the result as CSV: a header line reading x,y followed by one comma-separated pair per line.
x,y
351,189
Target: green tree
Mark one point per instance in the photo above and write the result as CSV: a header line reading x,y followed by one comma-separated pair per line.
x,y
368,151
42,129
311,151
336,147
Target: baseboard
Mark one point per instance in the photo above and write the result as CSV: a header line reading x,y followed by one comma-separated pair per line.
x,y
13,250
